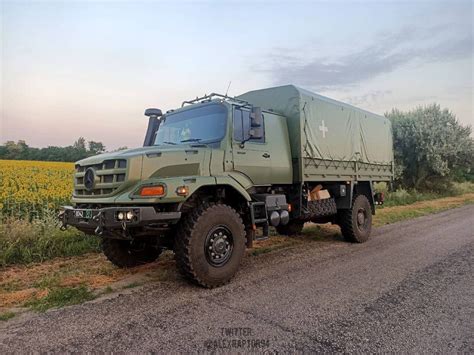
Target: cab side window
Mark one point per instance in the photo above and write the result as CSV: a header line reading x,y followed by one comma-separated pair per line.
x,y
242,126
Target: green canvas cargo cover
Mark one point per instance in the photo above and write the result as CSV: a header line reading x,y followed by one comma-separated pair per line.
x,y
330,140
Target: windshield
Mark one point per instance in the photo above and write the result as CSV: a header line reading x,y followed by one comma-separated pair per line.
x,y
203,125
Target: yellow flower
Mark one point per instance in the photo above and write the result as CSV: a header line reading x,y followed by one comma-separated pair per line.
x,y
31,186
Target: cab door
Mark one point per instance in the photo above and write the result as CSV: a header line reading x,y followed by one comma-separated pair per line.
x,y
253,158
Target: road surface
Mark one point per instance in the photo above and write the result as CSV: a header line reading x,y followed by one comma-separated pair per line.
x,y
409,288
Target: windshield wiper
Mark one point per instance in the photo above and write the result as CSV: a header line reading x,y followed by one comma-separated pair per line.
x,y
191,140
172,143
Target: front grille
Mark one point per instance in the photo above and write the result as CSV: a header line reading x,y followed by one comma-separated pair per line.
x,y
109,176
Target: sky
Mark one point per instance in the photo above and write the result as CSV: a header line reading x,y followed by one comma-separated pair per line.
x,y
89,68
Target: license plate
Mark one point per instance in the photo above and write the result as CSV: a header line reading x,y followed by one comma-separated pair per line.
x,y
86,214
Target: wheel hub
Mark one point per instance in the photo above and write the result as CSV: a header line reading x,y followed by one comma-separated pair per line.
x,y
219,246
361,219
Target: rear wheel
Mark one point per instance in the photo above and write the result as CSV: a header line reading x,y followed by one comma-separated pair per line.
x,y
356,223
294,227
126,253
210,244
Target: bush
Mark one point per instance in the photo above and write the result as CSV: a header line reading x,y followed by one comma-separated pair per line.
x,y
403,196
24,242
461,188
432,149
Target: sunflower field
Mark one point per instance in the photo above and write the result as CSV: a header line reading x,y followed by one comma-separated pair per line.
x,y
29,189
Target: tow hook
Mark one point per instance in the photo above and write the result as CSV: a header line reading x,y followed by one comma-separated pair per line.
x,y
99,231
99,218
62,218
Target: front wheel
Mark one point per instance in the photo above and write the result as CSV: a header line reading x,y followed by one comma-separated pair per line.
x,y
356,223
210,244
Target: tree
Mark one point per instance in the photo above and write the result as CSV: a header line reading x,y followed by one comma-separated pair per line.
x,y
96,148
431,147
80,144
17,150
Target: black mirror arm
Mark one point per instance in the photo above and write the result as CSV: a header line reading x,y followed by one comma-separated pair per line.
x,y
242,144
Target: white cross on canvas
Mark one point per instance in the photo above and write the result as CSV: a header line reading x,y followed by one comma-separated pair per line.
x,y
323,129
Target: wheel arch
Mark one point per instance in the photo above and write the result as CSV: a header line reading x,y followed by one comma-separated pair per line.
x,y
224,189
226,185
222,192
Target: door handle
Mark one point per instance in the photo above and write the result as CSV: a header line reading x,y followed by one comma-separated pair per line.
x,y
241,152
266,155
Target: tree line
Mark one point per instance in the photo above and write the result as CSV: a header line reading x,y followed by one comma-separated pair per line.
x,y
431,149
79,150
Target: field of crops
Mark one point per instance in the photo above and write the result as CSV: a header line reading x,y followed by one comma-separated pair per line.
x,y
30,188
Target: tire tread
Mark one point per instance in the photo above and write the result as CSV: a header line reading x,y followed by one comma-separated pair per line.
x,y
184,237
345,221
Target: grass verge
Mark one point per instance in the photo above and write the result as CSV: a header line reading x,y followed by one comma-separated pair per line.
x,y
60,297
6,316
402,197
65,281
399,213
23,242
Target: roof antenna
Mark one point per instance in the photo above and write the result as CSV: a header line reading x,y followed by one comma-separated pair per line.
x,y
230,82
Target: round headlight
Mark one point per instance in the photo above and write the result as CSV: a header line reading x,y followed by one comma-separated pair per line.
x,y
120,216
129,215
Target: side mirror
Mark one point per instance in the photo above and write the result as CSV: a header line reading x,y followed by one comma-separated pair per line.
x,y
153,112
256,125
256,117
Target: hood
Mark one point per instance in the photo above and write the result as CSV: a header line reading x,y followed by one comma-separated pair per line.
x,y
159,161
121,154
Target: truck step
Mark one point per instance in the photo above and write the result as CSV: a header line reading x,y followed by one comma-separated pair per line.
x,y
258,213
264,233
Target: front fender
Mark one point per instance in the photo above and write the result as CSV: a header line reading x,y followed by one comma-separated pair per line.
x,y
229,181
193,183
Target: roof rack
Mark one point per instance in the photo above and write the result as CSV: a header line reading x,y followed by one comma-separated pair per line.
x,y
214,95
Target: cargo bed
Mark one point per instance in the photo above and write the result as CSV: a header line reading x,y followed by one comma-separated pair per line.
x,y
330,140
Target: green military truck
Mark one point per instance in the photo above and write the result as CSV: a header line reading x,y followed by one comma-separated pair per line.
x,y
215,174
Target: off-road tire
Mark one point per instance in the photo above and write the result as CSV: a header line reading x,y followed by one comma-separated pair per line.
x,y
293,228
355,229
322,208
192,236
125,253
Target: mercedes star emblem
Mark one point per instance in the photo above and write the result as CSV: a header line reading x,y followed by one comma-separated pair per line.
x,y
89,179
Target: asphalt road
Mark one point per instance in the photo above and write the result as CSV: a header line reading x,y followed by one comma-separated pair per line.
x,y
408,289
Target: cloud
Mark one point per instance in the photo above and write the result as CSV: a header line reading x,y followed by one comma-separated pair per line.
x,y
368,98
389,52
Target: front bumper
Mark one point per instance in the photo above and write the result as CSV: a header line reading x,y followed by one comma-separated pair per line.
x,y
100,220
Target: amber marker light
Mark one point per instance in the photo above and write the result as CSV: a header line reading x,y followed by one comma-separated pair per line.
x,y
158,190
182,191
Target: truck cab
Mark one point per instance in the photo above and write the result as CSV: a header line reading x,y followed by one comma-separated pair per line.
x,y
209,175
